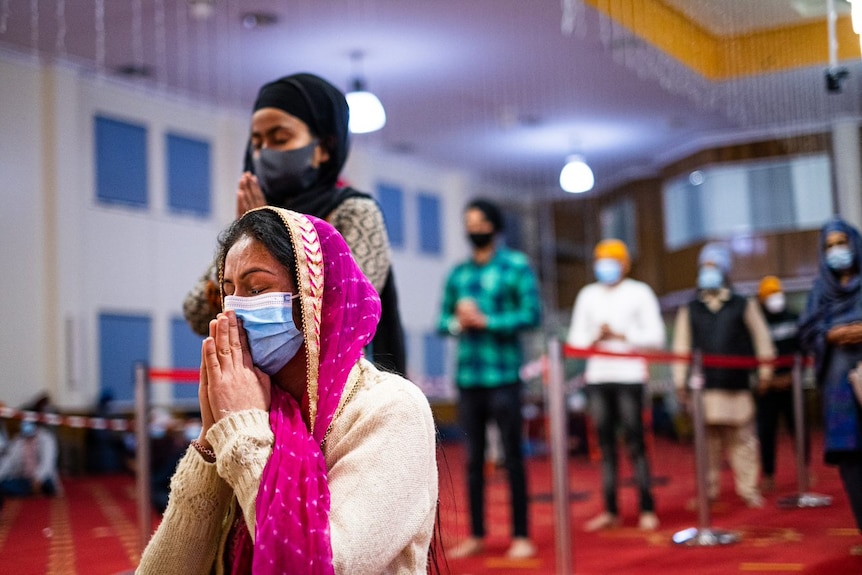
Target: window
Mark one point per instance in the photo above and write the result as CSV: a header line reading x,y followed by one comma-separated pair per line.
x,y
124,341
121,162
766,196
391,200
428,208
188,162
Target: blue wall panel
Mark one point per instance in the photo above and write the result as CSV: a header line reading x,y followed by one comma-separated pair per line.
x,y
124,340
391,199
188,165
121,162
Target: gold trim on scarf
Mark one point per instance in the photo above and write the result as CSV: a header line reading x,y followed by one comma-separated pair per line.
x,y
309,267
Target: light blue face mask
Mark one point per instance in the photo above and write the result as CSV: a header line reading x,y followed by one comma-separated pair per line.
x,y
273,338
608,270
839,258
709,278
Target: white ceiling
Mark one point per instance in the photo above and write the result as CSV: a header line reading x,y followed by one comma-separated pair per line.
x,y
493,86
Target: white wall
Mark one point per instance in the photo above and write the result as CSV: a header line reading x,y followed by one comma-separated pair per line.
x,y
69,258
24,358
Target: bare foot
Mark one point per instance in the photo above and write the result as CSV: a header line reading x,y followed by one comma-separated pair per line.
x,y
522,548
648,521
466,548
603,520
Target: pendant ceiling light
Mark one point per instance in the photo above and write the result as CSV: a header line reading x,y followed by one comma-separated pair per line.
x,y
576,176
366,111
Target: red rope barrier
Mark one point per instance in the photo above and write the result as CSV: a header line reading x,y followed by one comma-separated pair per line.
x,y
725,361
182,376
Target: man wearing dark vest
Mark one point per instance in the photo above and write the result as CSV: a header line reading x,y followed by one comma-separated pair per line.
x,y
719,322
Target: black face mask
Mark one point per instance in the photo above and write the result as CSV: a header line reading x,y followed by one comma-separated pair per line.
x,y
285,174
481,240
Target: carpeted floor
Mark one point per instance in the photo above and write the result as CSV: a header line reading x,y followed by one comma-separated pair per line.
x,y
773,540
92,530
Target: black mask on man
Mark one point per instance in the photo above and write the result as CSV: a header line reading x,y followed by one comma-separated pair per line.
x,y
481,240
285,174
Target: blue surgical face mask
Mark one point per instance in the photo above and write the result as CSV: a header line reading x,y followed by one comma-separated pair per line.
x,y
608,270
273,338
839,258
709,278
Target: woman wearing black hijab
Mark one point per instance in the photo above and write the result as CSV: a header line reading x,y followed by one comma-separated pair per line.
x,y
298,145
831,329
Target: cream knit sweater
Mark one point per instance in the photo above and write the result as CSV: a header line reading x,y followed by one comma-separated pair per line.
x,y
382,469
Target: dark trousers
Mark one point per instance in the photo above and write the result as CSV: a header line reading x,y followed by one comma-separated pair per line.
x,y
477,407
613,405
22,487
771,405
850,468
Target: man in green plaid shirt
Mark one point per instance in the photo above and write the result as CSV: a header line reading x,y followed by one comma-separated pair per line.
x,y
489,300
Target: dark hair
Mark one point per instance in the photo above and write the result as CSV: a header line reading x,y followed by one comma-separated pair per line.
x,y
491,211
265,226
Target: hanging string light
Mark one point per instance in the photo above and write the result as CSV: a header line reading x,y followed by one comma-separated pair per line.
x,y
60,43
99,25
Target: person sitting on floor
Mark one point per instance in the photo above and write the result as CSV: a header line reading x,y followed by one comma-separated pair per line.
x,y
29,465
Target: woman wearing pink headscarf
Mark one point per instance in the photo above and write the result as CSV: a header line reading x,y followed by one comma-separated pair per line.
x,y
310,459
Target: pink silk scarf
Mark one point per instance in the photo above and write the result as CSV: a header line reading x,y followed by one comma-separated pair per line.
x,y
340,311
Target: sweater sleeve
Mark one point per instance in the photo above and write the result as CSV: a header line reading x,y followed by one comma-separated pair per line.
x,y
382,480
187,539
361,223
243,442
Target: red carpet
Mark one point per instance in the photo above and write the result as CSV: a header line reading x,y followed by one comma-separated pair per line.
x,y
811,541
92,530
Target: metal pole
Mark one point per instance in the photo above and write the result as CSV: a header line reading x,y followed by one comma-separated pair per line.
x,y
559,459
142,454
702,535
802,498
701,455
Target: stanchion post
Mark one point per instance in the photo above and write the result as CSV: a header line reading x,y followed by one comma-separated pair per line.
x,y
803,498
142,453
702,535
556,405
799,428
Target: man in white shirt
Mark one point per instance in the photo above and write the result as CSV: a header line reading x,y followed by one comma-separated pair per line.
x,y
619,315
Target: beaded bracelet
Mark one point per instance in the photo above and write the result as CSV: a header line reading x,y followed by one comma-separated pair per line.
x,y
207,453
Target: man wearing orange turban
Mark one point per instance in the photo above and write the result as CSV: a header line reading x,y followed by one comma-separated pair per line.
x,y
776,398
618,314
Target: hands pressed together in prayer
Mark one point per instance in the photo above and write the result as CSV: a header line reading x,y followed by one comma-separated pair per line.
x,y
228,379
607,334
248,194
469,316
